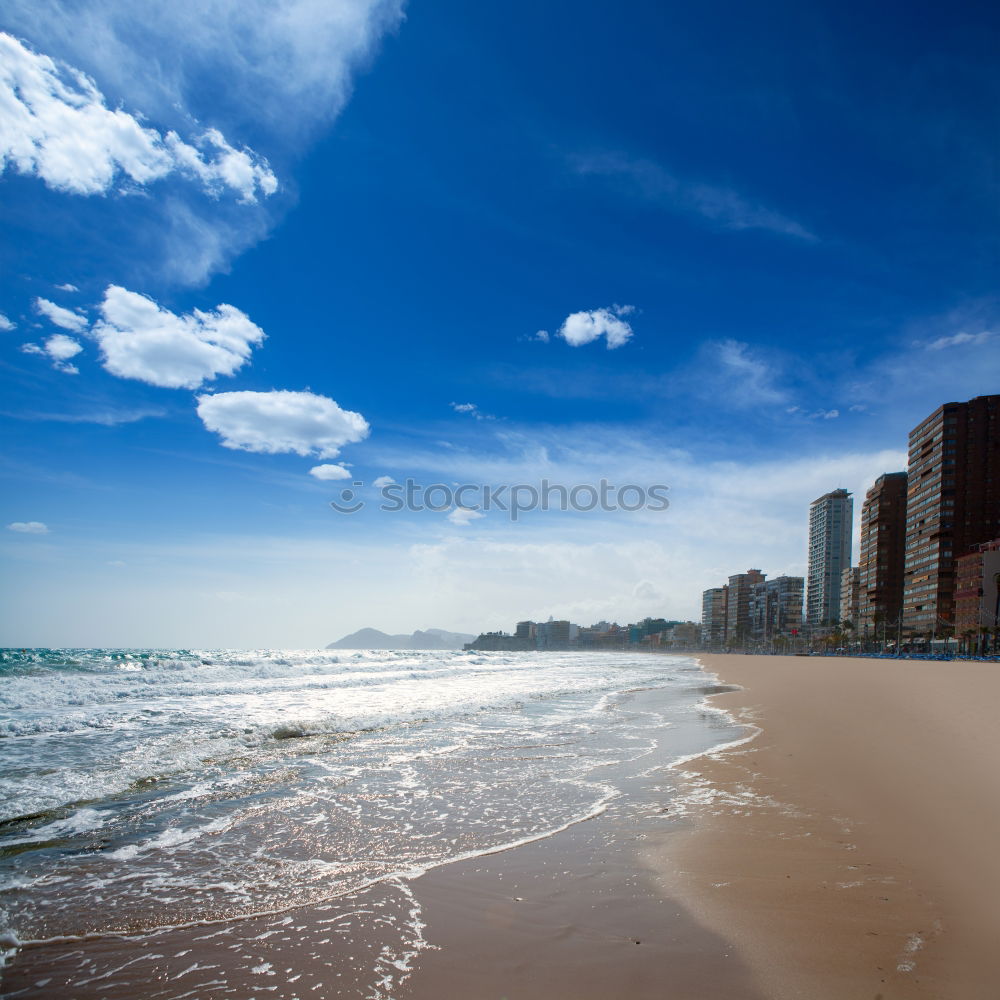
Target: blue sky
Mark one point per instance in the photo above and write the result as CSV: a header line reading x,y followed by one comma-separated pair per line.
x,y
243,243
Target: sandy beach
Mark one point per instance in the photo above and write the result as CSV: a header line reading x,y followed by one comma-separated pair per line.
x,y
844,848
849,850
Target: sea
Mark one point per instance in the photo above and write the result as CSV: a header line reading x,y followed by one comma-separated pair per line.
x,y
148,790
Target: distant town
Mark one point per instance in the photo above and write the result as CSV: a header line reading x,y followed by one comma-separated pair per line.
x,y
927,579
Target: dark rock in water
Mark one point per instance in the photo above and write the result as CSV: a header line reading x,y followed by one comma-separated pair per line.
x,y
432,638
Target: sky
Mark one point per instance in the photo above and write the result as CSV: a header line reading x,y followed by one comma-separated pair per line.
x,y
255,255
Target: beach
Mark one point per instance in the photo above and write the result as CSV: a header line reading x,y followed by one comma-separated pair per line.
x,y
838,843
849,849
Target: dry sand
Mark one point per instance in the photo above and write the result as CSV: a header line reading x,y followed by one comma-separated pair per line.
x,y
852,849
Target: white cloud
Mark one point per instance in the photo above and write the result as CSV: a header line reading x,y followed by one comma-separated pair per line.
x,y
140,340
57,126
644,590
67,287
66,318
281,421
287,67
29,527
584,327
748,377
327,472
58,349
959,340
6,324
472,410
825,415
62,348
720,205
383,481
463,516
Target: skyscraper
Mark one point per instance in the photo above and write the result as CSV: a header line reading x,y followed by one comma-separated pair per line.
x,y
740,588
883,538
953,504
713,617
776,607
830,529
850,580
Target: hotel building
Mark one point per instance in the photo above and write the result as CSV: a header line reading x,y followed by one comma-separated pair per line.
x,y
883,538
713,617
739,591
830,529
849,594
953,504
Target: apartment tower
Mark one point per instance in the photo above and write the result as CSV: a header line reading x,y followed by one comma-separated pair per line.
x,y
740,590
883,538
830,528
713,617
953,505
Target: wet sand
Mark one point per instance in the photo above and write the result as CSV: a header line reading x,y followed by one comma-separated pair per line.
x,y
848,850
578,915
851,848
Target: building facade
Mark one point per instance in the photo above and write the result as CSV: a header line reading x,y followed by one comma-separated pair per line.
x,y
883,542
977,589
776,608
953,504
738,599
849,594
830,530
713,617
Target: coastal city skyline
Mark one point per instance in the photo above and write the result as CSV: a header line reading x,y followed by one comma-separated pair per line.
x,y
260,278
929,562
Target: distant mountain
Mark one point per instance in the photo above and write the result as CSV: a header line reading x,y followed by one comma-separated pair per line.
x,y
432,638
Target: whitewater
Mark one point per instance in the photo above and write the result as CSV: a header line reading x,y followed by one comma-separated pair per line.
x,y
150,789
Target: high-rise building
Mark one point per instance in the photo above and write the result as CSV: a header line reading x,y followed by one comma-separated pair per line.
x,y
738,628
849,587
953,504
830,528
883,539
713,617
776,607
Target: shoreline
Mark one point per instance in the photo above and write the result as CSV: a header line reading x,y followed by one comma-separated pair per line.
x,y
841,846
574,914
847,848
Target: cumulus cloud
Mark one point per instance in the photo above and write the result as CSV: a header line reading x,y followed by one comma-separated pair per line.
x,y
463,516
383,481
281,421
327,472
58,349
67,287
6,324
66,318
539,336
29,527
581,328
140,340
56,125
